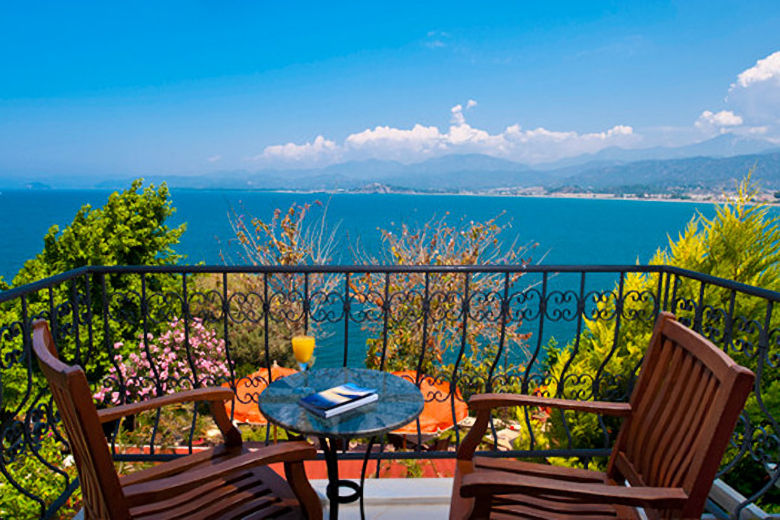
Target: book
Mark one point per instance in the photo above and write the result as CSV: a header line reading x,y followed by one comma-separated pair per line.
x,y
338,399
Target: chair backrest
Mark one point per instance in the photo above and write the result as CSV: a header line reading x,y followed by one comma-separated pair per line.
x,y
100,486
685,406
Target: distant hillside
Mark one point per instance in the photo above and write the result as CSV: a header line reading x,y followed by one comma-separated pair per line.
x,y
696,172
725,145
607,170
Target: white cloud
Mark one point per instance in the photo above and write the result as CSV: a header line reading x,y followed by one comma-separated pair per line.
x,y
718,121
385,141
755,96
764,70
458,117
751,108
541,144
752,104
421,142
310,152
214,158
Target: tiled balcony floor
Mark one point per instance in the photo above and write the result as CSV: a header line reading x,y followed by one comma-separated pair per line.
x,y
418,499
398,499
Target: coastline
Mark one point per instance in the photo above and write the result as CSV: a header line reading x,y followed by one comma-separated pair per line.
x,y
531,193
710,199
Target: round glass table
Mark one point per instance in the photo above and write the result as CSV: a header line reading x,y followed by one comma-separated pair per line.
x,y
399,403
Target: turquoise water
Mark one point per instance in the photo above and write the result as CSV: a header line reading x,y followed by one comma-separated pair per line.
x,y
568,231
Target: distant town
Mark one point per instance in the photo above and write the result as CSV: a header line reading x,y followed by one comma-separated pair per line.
x,y
634,193
700,172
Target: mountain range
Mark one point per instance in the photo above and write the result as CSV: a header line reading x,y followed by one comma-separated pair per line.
x,y
711,164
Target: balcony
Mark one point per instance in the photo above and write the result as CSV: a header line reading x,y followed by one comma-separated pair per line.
x,y
563,331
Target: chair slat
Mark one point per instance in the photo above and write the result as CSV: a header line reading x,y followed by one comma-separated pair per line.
x,y
539,470
684,406
643,407
70,391
687,448
680,423
204,494
243,489
661,448
653,422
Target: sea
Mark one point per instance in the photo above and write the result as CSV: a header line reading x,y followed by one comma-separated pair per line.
x,y
567,230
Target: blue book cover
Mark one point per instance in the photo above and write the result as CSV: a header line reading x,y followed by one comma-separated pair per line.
x,y
339,398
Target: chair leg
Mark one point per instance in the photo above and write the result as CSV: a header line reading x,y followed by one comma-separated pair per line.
x,y
482,506
296,478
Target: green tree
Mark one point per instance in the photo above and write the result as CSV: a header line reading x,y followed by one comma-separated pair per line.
x,y
741,243
129,229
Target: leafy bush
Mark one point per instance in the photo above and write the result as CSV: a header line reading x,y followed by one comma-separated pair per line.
x,y
433,344
602,366
39,480
246,334
166,360
288,238
129,230
741,243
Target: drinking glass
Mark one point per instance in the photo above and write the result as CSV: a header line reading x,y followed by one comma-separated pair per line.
x,y
303,348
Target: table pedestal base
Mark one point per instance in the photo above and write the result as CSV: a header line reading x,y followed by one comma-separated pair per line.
x,y
335,484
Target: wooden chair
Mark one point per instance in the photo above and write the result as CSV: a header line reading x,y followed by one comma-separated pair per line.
x,y
675,429
229,481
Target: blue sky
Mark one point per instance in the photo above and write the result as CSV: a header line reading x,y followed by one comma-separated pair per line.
x,y
108,89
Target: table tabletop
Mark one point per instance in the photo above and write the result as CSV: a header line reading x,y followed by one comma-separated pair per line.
x,y
399,403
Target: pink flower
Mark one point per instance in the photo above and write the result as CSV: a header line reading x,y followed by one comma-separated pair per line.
x,y
168,354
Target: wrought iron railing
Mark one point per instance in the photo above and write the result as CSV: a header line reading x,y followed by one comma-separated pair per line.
x,y
565,331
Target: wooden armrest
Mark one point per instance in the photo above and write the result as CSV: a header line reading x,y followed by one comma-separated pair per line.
x,y
216,396
486,483
160,489
219,394
488,401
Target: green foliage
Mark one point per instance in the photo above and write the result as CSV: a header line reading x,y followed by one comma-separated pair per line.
x,y
247,338
39,480
741,243
129,229
574,370
413,468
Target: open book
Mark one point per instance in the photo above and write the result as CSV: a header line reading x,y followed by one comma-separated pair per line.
x,y
338,399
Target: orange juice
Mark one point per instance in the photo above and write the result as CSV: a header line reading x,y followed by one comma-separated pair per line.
x,y
303,347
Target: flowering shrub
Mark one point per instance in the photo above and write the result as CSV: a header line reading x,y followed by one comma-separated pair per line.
x,y
166,363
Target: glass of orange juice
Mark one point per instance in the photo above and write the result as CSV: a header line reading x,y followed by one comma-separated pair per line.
x,y
303,348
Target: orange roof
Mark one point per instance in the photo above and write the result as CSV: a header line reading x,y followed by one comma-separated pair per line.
x,y
435,417
248,389
437,411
